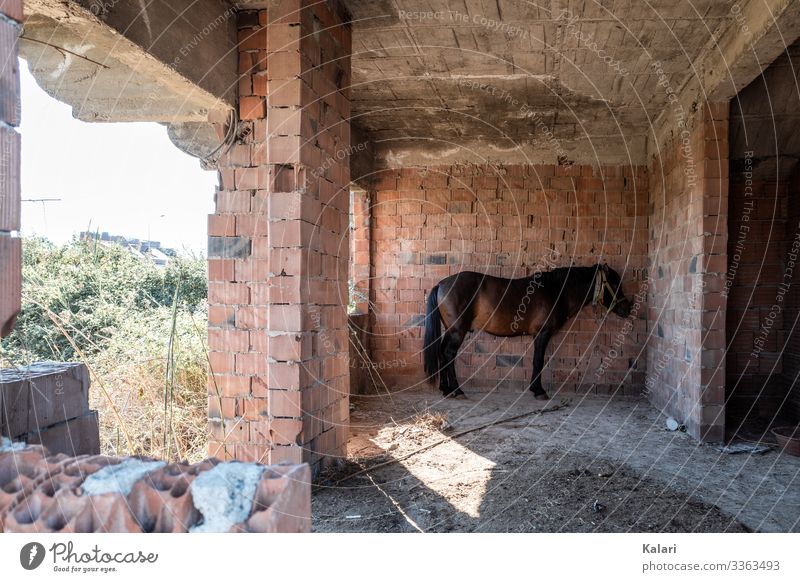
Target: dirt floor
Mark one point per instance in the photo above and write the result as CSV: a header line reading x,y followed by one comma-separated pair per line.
x,y
594,465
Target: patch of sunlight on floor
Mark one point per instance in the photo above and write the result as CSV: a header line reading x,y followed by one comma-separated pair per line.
x,y
451,470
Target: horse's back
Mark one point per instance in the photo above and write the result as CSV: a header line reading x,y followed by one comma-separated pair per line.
x,y
474,280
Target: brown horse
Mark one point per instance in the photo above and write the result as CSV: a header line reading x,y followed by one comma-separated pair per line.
x,y
538,305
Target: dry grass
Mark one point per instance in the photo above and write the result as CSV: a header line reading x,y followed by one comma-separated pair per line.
x,y
148,385
139,414
419,429
161,401
433,420
137,391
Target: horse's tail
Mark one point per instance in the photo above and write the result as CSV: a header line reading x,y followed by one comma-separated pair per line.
x,y
433,336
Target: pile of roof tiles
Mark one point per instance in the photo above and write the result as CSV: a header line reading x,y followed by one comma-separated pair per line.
x,y
41,492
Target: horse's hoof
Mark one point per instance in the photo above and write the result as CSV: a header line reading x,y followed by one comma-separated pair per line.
x,y
541,396
457,393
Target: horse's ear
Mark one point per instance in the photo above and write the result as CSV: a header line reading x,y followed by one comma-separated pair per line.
x,y
605,267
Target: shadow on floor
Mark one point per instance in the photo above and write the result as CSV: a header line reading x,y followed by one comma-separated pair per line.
x,y
597,465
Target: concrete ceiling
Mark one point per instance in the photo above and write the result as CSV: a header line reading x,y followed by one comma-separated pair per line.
x,y
434,81
465,73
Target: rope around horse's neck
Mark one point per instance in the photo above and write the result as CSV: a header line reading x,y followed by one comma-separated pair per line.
x,y
600,285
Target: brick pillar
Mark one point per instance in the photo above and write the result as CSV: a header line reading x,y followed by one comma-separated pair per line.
x,y
688,253
708,418
278,243
10,244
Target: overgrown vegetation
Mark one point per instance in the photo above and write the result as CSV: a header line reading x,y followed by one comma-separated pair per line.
x,y
141,330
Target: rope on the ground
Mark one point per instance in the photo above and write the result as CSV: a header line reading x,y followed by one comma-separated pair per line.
x,y
397,506
539,411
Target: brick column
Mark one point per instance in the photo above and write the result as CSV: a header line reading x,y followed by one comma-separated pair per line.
x,y
708,418
278,243
10,244
688,253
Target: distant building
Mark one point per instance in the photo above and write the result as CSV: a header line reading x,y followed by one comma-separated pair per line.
x,y
144,249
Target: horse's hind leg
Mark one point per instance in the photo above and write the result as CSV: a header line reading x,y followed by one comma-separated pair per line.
x,y
444,370
540,346
451,342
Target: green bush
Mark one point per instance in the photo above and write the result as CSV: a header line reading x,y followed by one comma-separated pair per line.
x,y
101,304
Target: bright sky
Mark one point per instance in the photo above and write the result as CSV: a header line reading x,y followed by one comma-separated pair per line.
x,y
124,178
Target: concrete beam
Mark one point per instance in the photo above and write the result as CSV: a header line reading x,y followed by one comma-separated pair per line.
x,y
761,32
168,62
737,52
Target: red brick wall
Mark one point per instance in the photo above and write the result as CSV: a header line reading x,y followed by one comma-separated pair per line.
x,y
10,244
688,245
429,223
278,244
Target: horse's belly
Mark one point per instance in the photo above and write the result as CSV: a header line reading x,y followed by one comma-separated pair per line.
x,y
508,312
496,328
507,325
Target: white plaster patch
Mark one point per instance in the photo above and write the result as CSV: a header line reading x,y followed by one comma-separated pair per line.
x,y
224,495
146,18
8,446
397,158
74,49
119,478
62,66
501,150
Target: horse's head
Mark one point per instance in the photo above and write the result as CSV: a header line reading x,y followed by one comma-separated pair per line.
x,y
608,291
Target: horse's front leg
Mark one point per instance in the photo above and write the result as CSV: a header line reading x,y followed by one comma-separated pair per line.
x,y
540,346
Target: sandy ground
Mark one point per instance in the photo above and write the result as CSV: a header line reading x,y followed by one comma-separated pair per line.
x,y
595,465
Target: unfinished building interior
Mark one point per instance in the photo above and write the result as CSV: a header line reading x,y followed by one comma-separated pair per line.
x,y
366,150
